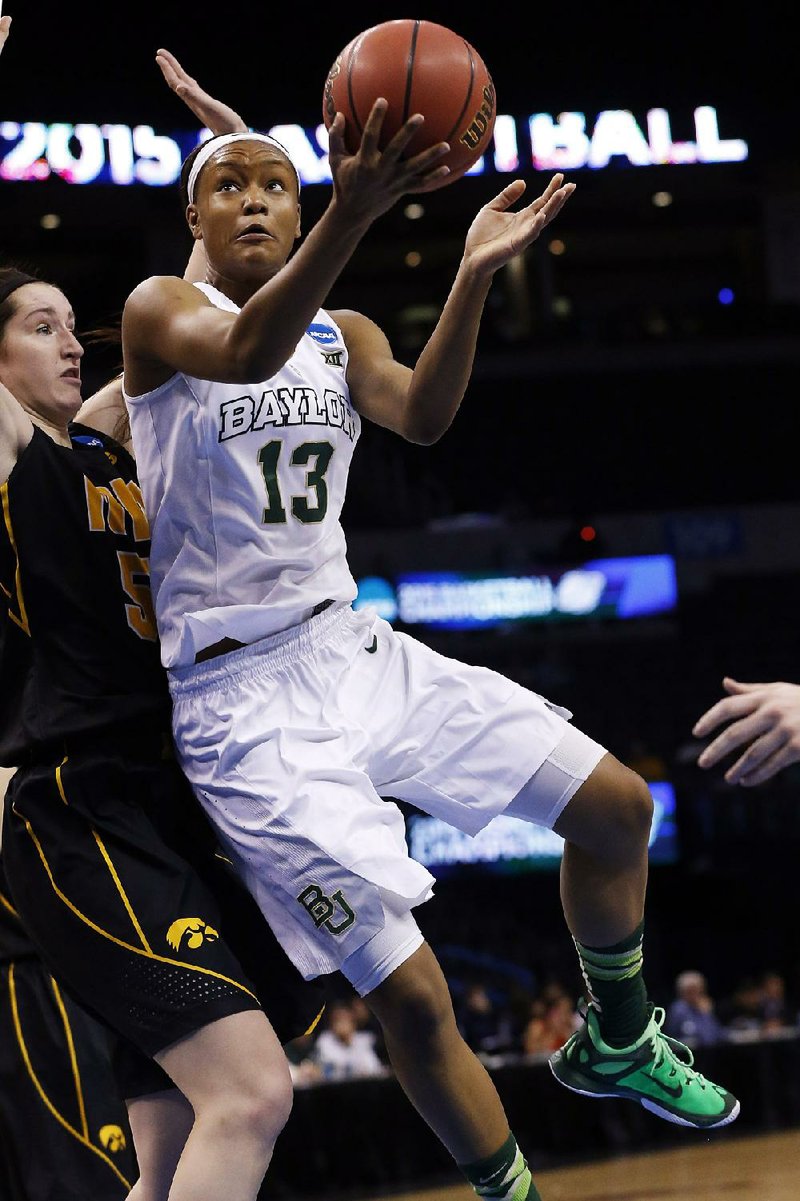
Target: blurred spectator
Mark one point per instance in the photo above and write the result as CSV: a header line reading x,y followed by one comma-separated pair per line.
x,y
484,1027
553,1018
365,1020
303,1067
690,1017
742,1013
773,1006
342,1051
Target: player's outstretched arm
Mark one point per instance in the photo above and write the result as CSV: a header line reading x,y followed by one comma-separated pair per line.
x,y
216,116
421,405
763,718
5,27
499,234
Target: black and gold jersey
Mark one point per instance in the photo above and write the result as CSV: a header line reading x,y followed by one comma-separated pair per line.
x,y
79,651
14,942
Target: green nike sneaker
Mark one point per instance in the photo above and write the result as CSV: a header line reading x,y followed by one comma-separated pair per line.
x,y
656,1071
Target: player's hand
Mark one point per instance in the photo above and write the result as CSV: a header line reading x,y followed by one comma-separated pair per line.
x,y
5,26
497,235
369,182
215,115
764,718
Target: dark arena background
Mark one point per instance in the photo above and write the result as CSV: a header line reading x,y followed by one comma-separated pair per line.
x,y
613,520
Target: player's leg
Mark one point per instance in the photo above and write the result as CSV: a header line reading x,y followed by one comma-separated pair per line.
x,y
440,1074
500,748
160,1124
157,968
604,815
234,1074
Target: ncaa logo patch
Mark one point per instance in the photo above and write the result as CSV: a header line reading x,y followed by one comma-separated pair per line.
x,y
324,334
87,439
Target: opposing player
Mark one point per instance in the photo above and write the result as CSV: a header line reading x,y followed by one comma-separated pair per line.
x,y
111,866
292,713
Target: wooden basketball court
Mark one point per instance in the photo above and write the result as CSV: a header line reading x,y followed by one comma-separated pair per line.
x,y
760,1168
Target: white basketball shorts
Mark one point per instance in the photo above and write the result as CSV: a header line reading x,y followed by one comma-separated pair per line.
x,y
293,743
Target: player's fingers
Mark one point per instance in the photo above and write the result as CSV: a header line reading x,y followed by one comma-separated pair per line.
x,y
396,146
556,202
555,185
762,759
729,708
740,733
731,685
427,160
770,767
170,58
336,143
429,182
509,195
373,125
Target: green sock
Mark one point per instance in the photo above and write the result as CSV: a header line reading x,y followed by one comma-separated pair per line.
x,y
614,978
504,1175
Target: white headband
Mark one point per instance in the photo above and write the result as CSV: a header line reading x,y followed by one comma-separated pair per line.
x,y
214,144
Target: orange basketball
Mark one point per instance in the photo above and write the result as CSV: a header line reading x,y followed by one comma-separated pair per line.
x,y
418,67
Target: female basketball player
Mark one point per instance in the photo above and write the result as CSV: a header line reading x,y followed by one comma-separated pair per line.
x,y
292,713
109,868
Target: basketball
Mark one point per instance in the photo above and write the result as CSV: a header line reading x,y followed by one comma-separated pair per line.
x,y
418,67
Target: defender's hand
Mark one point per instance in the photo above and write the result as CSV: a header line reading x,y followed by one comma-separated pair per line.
x,y
215,115
765,718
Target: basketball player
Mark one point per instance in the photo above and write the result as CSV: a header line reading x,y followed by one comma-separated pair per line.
x,y
110,863
292,713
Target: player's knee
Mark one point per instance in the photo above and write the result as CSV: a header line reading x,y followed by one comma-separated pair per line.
x,y
419,1011
259,1108
611,814
629,811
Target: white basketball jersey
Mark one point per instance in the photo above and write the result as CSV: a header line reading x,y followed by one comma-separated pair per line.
x,y
244,486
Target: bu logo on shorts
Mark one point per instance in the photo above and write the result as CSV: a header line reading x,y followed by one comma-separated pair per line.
x,y
190,931
321,908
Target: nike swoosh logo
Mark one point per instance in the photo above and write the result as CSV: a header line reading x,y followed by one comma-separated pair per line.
x,y
372,649
673,1090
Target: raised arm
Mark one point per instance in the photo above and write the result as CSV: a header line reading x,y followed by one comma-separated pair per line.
x,y
16,431
105,411
216,116
763,718
421,404
167,330
16,427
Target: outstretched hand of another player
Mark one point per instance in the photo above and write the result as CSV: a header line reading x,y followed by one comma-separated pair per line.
x,y
764,718
498,235
215,115
5,26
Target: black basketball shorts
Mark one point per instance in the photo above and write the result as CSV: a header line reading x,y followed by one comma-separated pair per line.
x,y
115,874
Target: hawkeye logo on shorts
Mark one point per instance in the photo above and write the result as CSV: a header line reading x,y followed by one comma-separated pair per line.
x,y
326,335
112,1138
191,932
321,909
